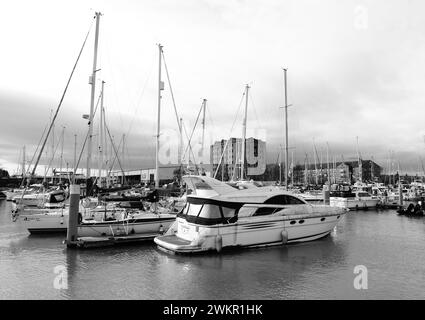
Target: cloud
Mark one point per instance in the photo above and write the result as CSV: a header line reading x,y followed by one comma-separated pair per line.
x,y
344,80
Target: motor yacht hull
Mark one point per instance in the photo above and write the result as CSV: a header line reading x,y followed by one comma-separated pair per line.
x,y
185,237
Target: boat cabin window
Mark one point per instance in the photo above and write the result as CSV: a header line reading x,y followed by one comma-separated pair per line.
x,y
246,212
263,211
228,212
210,211
283,199
192,209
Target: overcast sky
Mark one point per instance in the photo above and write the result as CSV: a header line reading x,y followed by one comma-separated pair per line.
x,y
355,69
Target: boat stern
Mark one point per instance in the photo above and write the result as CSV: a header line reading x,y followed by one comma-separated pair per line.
x,y
183,237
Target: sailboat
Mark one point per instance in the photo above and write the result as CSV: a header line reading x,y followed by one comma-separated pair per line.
x,y
114,220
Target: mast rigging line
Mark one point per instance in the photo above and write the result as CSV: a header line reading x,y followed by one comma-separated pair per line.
x,y
19,162
171,91
33,156
113,162
85,140
53,156
193,130
253,108
116,153
136,109
58,108
230,133
190,147
57,111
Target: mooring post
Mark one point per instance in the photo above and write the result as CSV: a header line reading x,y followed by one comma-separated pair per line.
x,y
72,232
326,193
400,195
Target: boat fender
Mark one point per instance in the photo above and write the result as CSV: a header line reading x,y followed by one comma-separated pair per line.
x,y
218,243
80,218
14,215
284,236
161,229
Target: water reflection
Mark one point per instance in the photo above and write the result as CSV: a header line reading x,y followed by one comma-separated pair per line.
x,y
391,247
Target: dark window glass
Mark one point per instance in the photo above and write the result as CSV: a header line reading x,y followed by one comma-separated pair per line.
x,y
264,211
228,212
283,199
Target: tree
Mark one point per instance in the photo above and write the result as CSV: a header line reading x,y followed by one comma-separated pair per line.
x,y
4,173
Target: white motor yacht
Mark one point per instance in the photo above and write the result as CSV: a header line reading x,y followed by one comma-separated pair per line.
x,y
355,200
217,216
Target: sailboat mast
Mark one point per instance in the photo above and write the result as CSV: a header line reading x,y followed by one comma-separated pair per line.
x,y
315,156
286,130
75,158
292,168
180,142
204,106
52,140
329,170
105,148
359,161
280,164
160,87
244,133
61,160
93,89
334,170
123,153
23,162
101,129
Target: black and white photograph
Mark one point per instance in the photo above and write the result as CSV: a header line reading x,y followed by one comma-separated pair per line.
x,y
229,152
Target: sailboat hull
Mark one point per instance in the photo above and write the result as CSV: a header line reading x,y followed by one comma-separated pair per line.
x,y
148,223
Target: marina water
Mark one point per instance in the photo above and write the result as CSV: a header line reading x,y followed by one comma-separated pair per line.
x,y
391,247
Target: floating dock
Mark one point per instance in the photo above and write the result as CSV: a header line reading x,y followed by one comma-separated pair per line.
x,y
96,242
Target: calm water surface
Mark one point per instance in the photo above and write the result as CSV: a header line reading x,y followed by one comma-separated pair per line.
x,y
392,248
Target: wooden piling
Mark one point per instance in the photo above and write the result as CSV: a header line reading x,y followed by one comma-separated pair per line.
x,y
72,232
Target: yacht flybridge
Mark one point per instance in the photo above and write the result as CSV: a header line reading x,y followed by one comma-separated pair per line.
x,y
218,216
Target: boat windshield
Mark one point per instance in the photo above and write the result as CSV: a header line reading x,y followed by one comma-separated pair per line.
x,y
208,213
